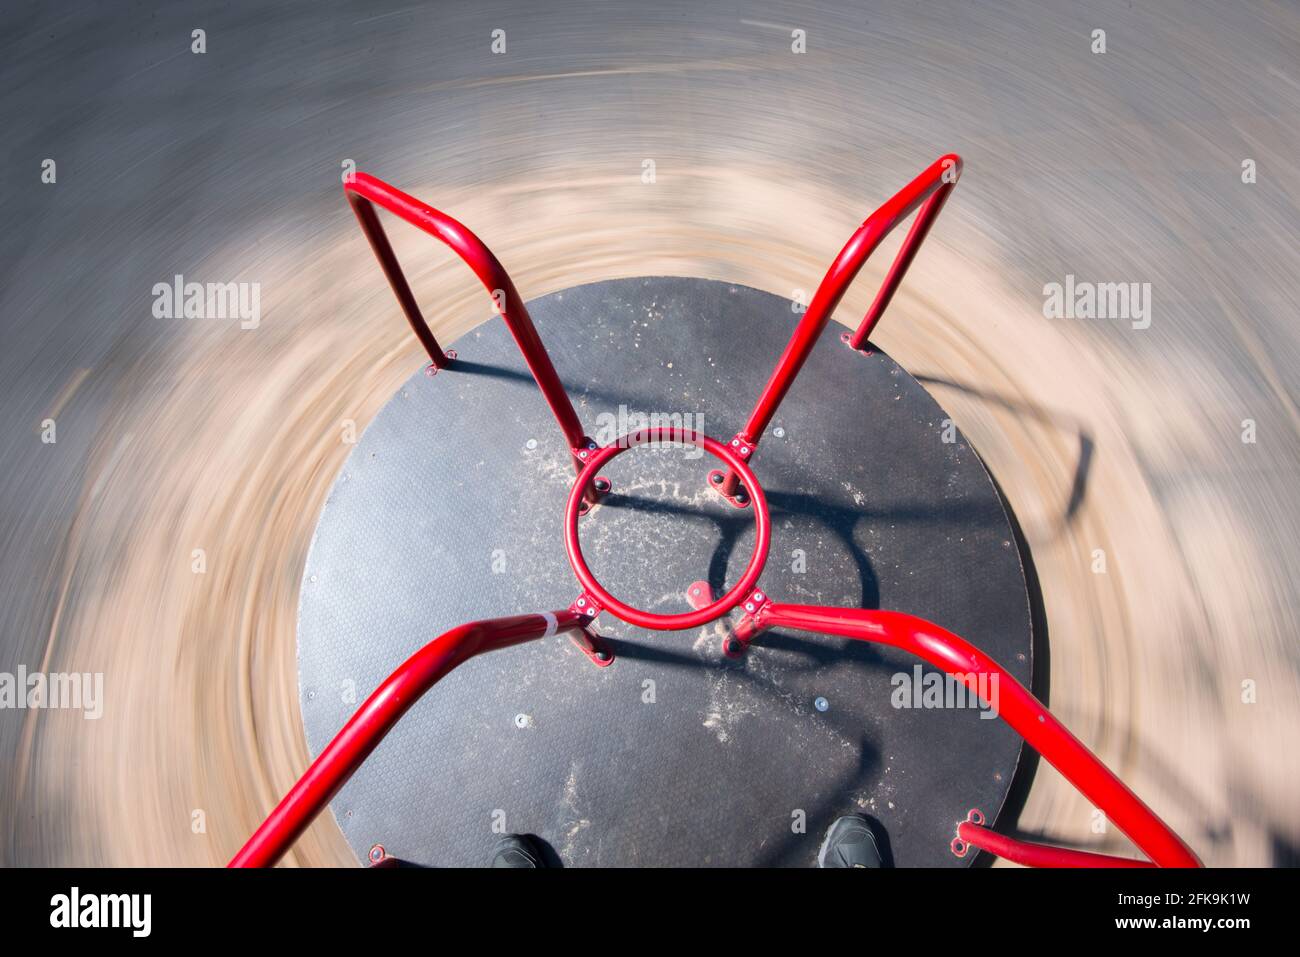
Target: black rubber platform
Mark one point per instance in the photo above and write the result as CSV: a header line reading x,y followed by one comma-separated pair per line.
x,y
450,509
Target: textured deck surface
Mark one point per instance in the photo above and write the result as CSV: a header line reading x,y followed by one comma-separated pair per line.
x,y
450,509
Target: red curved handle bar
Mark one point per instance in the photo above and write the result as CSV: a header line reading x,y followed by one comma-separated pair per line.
x,y
1020,709
376,717
362,190
931,188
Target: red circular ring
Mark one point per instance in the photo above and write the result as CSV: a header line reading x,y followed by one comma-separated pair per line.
x,y
691,619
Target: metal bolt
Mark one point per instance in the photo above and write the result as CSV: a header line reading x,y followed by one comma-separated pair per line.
x,y
602,485
744,450
582,602
749,606
695,591
821,704
530,444
779,432
377,854
716,477
521,721
735,441
582,454
758,596
602,655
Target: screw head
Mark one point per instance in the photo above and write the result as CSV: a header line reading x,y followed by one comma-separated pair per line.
x,y
582,454
749,606
717,478
602,485
521,721
530,444
602,655
779,432
821,704
377,854
758,596
582,602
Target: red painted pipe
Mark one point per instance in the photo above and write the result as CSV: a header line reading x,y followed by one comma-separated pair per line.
x,y
1020,709
932,188
907,252
383,249
362,189
1038,855
376,717
709,611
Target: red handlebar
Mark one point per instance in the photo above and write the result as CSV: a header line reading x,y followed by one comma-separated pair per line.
x,y
1020,709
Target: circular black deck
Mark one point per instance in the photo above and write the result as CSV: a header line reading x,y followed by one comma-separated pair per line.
x,y
450,509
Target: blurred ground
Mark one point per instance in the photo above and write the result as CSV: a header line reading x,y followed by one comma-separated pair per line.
x,y
175,435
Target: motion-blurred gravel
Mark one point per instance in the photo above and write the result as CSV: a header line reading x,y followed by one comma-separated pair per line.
x,y
176,435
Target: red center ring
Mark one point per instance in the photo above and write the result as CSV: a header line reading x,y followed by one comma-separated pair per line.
x,y
635,616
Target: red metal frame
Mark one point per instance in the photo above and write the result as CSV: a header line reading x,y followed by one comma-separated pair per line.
x,y
1025,713
931,188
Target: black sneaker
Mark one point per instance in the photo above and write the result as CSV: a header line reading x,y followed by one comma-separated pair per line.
x,y
851,842
517,850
